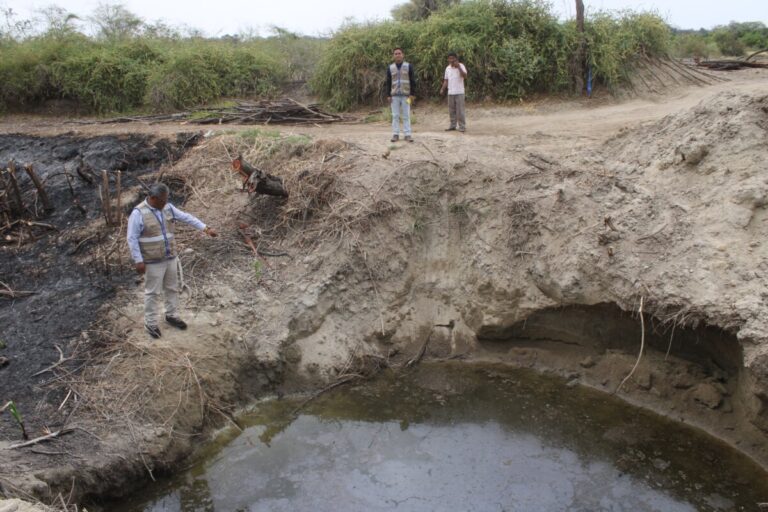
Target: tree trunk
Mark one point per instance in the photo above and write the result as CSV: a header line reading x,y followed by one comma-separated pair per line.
x,y
258,181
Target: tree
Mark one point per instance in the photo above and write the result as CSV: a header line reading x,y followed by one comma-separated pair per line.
x,y
115,21
58,21
12,26
416,10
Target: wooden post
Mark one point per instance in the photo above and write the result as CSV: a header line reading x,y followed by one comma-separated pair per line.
x,y
118,192
47,205
14,189
4,208
106,204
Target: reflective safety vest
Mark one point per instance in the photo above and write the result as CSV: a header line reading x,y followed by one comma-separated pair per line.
x,y
401,79
156,241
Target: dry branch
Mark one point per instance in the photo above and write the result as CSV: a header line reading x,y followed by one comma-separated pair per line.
x,y
41,439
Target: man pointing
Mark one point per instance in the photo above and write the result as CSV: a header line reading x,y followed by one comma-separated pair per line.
x,y
153,249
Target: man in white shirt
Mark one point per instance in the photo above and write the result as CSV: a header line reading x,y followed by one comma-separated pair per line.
x,y
453,80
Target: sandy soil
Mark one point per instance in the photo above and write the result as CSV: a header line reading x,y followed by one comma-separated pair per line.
x,y
534,236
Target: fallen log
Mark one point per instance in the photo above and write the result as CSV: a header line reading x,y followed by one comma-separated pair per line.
x,y
731,65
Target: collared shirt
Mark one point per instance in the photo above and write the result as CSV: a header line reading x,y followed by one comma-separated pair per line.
x,y
136,227
455,80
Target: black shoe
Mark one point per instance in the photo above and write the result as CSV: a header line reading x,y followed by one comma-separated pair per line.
x,y
153,330
451,129
176,322
408,138
462,130
394,138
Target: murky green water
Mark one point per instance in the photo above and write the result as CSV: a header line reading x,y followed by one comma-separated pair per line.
x,y
454,437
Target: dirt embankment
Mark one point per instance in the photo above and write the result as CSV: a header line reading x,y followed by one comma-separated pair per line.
x,y
533,247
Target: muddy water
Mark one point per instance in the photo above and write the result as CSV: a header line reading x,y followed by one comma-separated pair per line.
x,y
458,437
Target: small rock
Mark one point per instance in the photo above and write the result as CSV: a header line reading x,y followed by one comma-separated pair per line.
x,y
643,379
588,362
708,395
292,354
572,383
683,380
661,465
4,362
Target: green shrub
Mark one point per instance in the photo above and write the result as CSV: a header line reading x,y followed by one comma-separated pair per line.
x,y
192,76
729,43
26,68
103,80
615,41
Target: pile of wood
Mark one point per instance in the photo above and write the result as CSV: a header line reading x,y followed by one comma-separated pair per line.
x,y
260,112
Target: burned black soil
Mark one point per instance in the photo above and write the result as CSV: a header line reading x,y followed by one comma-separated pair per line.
x,y
62,258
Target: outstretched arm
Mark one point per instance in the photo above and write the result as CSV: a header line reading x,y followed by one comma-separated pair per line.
x,y
193,221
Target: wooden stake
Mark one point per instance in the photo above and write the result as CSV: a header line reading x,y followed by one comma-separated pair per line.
x,y
16,193
47,205
106,205
118,192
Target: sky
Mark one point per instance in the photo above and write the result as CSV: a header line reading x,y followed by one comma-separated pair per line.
x,y
313,17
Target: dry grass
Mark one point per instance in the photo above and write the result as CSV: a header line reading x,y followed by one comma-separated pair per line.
x,y
322,205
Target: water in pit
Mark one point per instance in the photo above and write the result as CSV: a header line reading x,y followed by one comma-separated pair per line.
x,y
453,437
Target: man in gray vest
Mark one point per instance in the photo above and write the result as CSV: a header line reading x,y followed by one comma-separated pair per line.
x,y
401,84
153,249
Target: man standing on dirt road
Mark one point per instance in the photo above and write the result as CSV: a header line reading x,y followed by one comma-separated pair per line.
x,y
401,83
153,249
453,80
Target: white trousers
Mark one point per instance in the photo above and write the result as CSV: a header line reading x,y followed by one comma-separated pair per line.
x,y
161,277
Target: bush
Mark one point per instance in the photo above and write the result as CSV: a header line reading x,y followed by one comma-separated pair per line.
x,y
103,80
126,74
729,43
614,41
26,69
198,75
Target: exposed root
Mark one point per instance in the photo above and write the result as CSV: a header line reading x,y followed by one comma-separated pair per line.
x,y
642,347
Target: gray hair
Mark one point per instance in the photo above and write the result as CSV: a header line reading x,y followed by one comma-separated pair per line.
x,y
158,189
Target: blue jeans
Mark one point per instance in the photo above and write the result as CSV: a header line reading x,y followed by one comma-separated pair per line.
x,y
400,107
